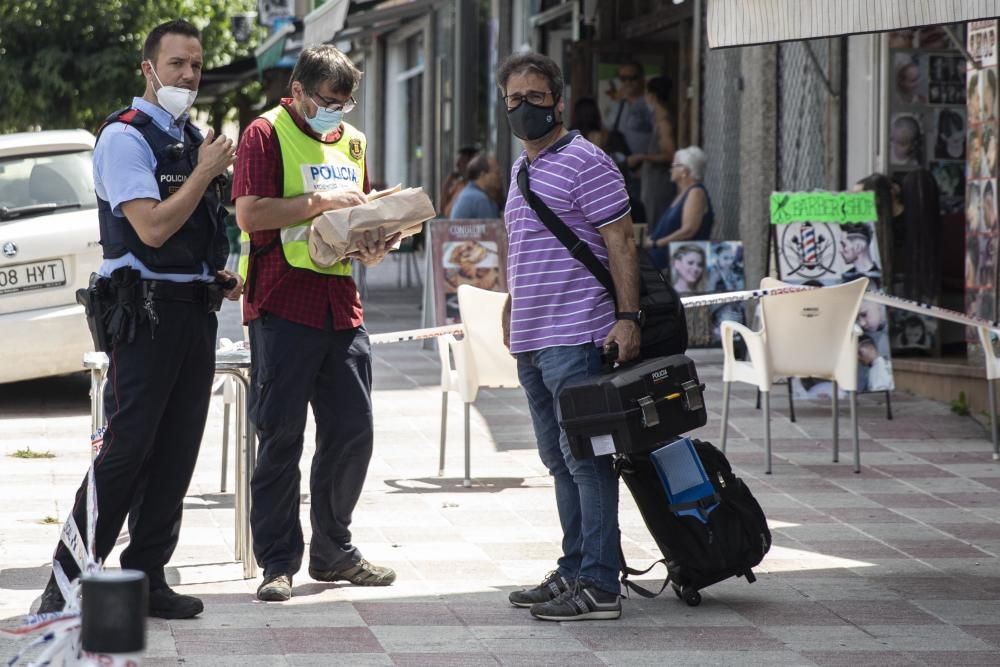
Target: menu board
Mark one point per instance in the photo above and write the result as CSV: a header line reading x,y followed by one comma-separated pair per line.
x,y
464,252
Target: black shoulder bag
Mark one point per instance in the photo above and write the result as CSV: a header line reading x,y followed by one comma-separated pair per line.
x,y
665,329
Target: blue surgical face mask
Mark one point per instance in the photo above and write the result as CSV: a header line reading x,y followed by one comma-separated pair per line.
x,y
325,120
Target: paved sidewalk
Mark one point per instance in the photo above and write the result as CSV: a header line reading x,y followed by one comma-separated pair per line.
x,y
896,566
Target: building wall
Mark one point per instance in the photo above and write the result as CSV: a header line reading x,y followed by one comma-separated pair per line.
x,y
722,104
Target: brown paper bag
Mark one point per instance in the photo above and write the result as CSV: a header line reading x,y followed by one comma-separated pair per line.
x,y
334,235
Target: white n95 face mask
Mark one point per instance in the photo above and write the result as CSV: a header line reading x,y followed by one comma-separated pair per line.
x,y
174,100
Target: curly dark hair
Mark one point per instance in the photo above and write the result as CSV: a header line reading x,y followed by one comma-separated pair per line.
x,y
522,63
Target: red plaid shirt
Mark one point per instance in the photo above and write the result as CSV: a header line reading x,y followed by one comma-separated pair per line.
x,y
297,295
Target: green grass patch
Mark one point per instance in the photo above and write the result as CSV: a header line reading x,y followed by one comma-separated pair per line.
x,y
960,406
29,453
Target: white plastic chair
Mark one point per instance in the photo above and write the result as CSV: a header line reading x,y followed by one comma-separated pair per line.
x,y
806,334
992,375
480,358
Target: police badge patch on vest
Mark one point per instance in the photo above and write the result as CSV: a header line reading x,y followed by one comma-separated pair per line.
x,y
355,145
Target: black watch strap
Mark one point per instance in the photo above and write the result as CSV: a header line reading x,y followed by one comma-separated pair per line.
x,y
635,316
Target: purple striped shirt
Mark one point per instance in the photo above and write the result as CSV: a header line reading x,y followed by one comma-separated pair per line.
x,y
555,299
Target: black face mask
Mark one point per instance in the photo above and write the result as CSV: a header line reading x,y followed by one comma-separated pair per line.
x,y
530,122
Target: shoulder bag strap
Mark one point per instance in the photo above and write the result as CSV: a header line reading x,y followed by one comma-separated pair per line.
x,y
618,117
576,246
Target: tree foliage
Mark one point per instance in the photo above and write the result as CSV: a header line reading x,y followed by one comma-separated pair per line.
x,y
69,63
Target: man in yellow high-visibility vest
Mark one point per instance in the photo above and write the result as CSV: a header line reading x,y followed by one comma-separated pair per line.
x,y
307,335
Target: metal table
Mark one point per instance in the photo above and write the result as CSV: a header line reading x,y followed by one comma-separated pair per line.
x,y
232,363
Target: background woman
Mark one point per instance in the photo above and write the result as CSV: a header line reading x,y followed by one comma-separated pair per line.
x,y
922,239
587,120
689,269
690,216
889,228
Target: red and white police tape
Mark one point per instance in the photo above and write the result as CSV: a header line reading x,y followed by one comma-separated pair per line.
x,y
732,297
57,634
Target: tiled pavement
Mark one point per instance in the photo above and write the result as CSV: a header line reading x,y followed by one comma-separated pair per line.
x,y
896,566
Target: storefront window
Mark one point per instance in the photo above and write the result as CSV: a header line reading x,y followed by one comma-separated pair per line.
x,y
926,157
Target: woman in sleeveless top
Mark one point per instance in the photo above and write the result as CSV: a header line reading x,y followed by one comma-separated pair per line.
x,y
690,216
658,190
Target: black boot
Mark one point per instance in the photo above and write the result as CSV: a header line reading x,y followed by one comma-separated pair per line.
x,y
52,599
165,603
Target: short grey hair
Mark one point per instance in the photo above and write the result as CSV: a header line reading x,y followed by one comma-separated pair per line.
x,y
693,159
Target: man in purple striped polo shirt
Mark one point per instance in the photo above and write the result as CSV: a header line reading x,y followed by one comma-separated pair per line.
x,y
558,318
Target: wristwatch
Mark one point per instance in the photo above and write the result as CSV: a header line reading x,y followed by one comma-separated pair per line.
x,y
636,316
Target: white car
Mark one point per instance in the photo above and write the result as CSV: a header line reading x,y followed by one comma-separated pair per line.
x,y
49,246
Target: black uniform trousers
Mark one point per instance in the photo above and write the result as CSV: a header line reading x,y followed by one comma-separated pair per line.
x,y
293,366
156,399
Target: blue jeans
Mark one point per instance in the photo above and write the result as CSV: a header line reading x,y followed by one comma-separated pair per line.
x,y
586,491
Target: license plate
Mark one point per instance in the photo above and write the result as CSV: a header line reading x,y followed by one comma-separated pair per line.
x,y
36,275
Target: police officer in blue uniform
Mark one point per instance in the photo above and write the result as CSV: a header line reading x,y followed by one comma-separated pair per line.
x,y
154,301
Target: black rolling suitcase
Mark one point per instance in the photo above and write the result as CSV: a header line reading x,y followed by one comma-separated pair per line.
x,y
704,519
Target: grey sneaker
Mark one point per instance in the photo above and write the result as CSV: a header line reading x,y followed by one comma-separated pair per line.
x,y
361,573
552,585
276,588
583,602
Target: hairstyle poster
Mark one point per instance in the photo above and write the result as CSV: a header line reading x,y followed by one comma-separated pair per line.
x,y
912,332
946,79
982,137
838,249
466,252
708,267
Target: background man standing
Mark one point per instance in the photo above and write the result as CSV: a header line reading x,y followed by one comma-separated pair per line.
x,y
478,199
558,318
633,117
164,244
307,332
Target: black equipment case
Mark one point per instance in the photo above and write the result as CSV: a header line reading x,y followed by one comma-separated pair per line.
x,y
634,408
726,537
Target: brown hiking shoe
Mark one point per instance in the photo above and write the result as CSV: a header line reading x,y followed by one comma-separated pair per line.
x,y
361,573
276,588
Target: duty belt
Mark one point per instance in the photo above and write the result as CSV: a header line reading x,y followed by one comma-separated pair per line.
x,y
208,294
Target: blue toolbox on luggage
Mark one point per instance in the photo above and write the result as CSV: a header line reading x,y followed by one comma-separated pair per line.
x,y
689,491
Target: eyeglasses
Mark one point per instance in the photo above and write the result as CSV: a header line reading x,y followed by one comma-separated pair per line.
x,y
625,77
535,97
332,105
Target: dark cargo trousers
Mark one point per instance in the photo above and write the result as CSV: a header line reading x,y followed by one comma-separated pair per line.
x,y
156,399
294,366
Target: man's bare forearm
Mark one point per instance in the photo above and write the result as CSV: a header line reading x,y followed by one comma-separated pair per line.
x,y
156,221
623,263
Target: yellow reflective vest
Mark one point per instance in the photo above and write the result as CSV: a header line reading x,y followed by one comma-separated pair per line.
x,y
309,165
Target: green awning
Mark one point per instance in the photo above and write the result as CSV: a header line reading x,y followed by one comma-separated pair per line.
x,y
270,52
